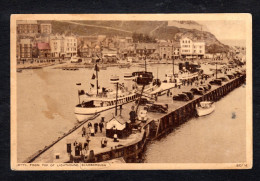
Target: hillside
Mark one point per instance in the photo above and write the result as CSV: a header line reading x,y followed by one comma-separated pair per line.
x,y
156,29
188,25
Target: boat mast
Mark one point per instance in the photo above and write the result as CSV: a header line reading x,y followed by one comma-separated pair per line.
x,y
96,68
116,98
172,66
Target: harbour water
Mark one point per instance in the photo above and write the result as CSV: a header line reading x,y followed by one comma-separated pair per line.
x,y
216,138
45,110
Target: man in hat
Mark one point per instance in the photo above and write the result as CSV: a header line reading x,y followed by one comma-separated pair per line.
x,y
89,125
101,125
83,131
96,127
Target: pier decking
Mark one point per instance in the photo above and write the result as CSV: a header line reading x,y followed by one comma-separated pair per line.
x,y
131,147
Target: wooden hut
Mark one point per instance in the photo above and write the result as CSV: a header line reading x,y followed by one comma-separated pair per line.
x,y
119,126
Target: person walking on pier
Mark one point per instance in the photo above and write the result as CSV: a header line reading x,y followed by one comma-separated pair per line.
x,y
96,127
83,131
101,125
168,93
89,125
120,108
132,115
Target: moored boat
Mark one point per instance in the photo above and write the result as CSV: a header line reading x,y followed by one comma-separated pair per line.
x,y
91,103
205,108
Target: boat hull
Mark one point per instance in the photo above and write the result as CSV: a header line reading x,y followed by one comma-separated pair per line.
x,y
205,111
84,113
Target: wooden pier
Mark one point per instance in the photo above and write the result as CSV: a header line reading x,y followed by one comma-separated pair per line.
x,y
131,148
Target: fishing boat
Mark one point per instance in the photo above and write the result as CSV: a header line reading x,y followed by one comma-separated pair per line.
x,y
205,108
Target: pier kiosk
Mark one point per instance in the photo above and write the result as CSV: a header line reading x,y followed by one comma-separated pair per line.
x,y
116,126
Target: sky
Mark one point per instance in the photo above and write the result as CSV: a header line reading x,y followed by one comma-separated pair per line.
x,y
226,30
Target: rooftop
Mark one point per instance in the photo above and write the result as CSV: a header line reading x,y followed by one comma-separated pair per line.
x,y
146,46
43,46
174,44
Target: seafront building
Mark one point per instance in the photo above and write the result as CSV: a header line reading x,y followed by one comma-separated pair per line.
x,y
70,46
32,28
86,47
46,28
44,50
24,49
27,28
192,49
145,49
169,50
57,46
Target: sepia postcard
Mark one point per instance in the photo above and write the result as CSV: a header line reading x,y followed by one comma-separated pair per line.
x,y
131,91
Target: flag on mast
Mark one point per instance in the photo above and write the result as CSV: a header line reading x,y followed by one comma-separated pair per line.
x,y
93,76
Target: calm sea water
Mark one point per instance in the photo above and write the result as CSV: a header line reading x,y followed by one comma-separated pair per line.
x,y
216,138
45,106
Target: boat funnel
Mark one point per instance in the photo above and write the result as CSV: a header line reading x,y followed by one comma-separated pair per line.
x,y
128,78
114,79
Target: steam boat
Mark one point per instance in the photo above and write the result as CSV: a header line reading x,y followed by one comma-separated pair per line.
x,y
105,99
135,85
121,93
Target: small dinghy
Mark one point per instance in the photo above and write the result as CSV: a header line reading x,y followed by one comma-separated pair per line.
x,y
205,108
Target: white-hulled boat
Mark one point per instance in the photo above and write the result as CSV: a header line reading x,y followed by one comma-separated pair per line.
x,y
205,108
91,103
103,100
